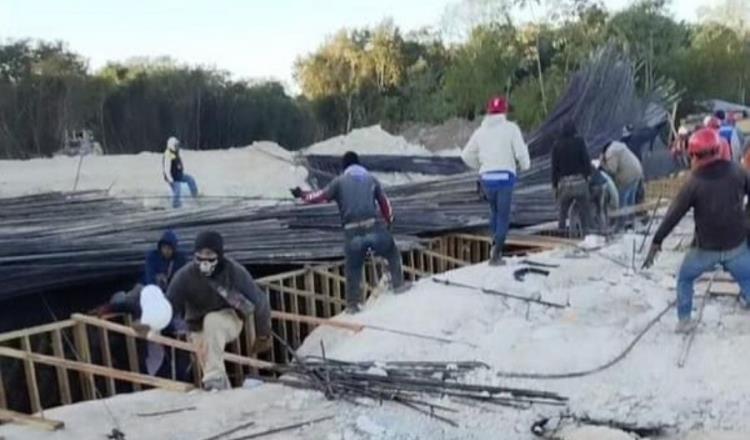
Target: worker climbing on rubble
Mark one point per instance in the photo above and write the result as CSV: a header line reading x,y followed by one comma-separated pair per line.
x,y
571,169
164,261
216,295
625,168
497,150
357,193
715,190
174,172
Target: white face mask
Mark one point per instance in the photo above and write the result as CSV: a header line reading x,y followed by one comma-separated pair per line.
x,y
207,267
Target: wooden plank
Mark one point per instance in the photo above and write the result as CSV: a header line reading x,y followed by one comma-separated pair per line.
x,y
317,321
107,359
17,334
282,327
9,416
294,308
92,369
340,301
239,373
83,354
132,348
445,258
249,339
3,398
32,386
163,340
310,306
63,380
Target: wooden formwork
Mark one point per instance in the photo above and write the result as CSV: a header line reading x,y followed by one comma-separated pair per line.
x,y
666,188
80,350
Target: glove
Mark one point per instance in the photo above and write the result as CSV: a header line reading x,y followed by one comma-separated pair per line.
x,y
296,192
652,252
262,344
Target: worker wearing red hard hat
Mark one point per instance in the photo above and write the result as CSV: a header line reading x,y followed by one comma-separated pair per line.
x,y
715,191
498,151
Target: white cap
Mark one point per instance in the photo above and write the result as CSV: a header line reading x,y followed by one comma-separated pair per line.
x,y
156,311
683,131
172,143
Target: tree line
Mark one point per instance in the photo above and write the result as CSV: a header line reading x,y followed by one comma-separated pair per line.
x,y
363,76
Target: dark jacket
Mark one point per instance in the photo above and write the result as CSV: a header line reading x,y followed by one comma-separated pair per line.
x,y
193,296
570,157
716,193
156,265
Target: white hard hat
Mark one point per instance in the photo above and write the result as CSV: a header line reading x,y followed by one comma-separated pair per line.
x,y
156,311
683,131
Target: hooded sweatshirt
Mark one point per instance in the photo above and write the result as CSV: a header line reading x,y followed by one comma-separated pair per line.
x,y
622,164
194,295
497,145
570,157
157,265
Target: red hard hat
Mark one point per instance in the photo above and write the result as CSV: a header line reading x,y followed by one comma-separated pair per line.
x,y
704,146
497,105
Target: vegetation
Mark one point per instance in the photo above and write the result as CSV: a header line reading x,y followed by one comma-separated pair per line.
x,y
359,77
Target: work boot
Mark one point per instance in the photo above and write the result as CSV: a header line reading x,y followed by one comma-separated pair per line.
x,y
352,309
216,384
496,256
403,288
685,326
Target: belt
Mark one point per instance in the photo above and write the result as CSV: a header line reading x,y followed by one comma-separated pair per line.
x,y
363,224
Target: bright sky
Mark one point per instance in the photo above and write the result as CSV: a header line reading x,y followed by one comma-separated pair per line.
x,y
250,38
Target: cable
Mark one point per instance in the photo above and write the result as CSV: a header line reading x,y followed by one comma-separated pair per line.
x,y
600,368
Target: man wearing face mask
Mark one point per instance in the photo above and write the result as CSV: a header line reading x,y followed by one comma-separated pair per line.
x,y
215,294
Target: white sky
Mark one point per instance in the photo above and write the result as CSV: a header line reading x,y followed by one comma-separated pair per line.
x,y
250,38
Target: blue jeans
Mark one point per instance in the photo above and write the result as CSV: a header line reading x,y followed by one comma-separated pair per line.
x,y
697,261
357,243
500,199
177,189
629,193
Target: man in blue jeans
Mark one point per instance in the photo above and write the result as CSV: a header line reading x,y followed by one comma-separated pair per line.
x,y
175,174
715,191
357,192
497,150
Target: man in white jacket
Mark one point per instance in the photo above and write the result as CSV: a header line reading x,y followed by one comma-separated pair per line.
x,y
498,151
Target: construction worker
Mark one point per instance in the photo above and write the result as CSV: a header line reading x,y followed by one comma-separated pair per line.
x,y
571,169
725,150
498,151
164,261
728,131
357,192
625,169
715,190
174,172
215,295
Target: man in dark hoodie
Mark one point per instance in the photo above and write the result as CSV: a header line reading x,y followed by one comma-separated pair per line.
x,y
164,261
215,294
716,191
571,168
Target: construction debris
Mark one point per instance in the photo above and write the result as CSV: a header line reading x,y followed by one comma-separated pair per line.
x,y
448,282
520,274
409,384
